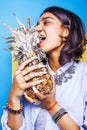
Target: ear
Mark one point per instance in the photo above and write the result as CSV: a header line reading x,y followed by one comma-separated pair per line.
x,y
65,32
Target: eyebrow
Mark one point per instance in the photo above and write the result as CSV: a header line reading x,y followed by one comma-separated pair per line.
x,y
44,18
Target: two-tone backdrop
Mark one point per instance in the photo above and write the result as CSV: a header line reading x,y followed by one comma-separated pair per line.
x,y
25,9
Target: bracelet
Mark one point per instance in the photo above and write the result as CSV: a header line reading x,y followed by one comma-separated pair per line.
x,y
58,115
12,110
52,106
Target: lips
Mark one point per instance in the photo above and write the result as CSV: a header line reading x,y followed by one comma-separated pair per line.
x,y
40,43
42,39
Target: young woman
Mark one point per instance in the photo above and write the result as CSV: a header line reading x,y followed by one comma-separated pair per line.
x,y
62,37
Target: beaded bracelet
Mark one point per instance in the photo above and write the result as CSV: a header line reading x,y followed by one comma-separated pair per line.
x,y
58,115
12,110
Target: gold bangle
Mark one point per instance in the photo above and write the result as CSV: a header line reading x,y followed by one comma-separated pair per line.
x,y
12,110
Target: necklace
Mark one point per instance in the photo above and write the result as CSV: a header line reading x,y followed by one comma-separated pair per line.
x,y
65,76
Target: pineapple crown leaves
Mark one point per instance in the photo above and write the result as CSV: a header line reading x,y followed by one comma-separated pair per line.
x,y
23,42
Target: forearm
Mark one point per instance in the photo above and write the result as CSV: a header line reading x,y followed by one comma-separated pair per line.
x,y
15,120
65,122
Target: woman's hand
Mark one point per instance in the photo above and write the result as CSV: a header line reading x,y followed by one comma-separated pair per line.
x,y
46,101
22,80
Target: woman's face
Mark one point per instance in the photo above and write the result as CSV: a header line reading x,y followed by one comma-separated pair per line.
x,y
50,29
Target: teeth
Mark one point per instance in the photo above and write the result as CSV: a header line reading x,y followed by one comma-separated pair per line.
x,y
42,37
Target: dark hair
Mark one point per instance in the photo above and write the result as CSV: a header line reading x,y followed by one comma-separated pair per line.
x,y
75,42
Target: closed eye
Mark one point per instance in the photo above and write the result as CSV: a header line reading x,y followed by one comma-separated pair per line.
x,y
46,22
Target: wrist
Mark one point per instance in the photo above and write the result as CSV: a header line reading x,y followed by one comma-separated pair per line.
x,y
57,112
54,109
13,110
15,103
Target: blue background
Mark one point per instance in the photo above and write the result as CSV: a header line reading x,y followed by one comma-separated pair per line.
x,y
25,9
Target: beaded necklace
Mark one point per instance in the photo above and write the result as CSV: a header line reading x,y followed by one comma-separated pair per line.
x,y
65,76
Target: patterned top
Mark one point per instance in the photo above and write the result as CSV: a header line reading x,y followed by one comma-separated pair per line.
x,y
71,95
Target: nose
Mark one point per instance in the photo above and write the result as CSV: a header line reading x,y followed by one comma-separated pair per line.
x,y
39,28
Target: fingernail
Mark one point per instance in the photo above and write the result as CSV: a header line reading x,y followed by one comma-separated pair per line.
x,y
34,89
40,65
40,81
44,72
34,57
24,93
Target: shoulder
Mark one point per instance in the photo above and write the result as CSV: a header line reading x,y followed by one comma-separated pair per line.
x,y
81,69
81,66
81,63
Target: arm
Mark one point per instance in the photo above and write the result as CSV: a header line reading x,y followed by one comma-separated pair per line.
x,y
84,126
19,86
65,122
15,121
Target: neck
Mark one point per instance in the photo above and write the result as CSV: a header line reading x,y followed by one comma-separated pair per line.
x,y
53,61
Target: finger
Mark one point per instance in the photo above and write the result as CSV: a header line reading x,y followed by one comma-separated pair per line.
x,y
17,72
28,69
54,85
38,94
34,83
25,63
30,100
33,75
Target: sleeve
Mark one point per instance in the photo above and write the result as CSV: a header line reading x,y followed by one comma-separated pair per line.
x,y
4,119
84,83
84,125
42,117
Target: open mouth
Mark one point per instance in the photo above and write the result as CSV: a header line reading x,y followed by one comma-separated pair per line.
x,y
42,37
